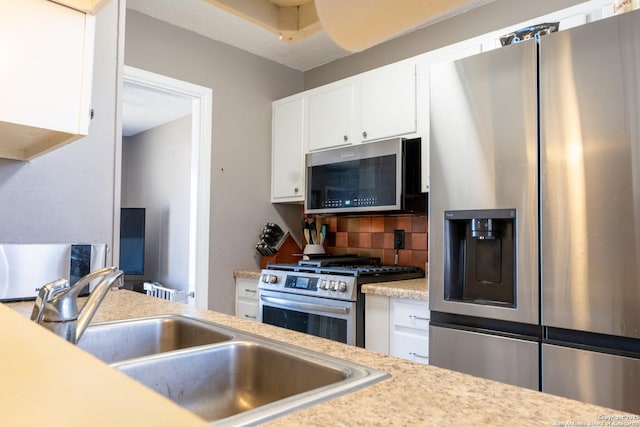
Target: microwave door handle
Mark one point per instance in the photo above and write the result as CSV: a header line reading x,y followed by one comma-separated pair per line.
x,y
306,305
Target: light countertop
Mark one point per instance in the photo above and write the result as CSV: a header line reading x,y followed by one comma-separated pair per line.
x,y
96,394
414,289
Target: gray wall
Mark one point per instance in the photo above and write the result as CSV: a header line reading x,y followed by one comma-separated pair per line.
x,y
491,17
156,175
244,86
68,194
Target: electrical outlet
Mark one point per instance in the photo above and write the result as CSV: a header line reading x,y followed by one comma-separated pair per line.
x,y
398,239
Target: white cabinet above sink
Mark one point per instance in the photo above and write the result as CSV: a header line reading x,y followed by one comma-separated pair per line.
x,y
45,80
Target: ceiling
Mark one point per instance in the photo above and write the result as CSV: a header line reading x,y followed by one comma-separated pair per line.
x,y
285,31
218,24
289,31
144,108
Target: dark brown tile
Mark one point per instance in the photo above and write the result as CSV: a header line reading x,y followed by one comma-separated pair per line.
x,y
330,240
354,240
419,258
377,240
388,256
389,224
419,224
330,249
342,239
341,224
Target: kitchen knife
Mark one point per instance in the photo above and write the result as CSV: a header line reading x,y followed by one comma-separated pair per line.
x,y
313,233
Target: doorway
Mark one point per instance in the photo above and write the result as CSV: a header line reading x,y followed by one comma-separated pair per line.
x,y
198,100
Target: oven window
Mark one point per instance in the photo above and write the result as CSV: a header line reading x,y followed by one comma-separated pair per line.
x,y
320,326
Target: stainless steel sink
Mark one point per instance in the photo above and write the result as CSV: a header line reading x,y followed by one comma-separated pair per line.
x,y
240,379
129,339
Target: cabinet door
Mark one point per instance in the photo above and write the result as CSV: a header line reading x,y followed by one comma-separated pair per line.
x,y
388,103
45,80
442,55
410,345
331,117
287,152
247,298
409,338
376,328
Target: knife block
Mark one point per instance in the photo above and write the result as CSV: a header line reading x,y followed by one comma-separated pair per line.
x,y
288,253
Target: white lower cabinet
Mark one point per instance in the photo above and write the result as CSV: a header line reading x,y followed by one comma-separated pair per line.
x,y
398,327
409,337
247,298
376,323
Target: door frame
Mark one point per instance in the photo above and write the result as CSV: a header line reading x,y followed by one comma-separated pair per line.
x,y
200,186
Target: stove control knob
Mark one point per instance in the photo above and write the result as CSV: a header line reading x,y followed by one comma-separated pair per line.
x,y
333,286
342,286
323,285
269,278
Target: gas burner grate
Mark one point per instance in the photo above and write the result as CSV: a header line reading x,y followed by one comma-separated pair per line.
x,y
346,261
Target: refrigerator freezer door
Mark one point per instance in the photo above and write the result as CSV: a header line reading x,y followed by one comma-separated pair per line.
x,y
483,155
598,378
508,360
590,175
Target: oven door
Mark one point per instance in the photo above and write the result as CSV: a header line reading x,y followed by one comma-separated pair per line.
x,y
322,317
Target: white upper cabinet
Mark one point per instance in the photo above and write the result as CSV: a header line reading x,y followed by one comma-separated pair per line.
x,y
331,117
87,6
287,151
450,53
45,79
387,103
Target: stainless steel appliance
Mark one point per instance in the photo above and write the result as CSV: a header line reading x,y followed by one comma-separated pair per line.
x,y
546,131
25,268
322,297
483,258
590,212
378,176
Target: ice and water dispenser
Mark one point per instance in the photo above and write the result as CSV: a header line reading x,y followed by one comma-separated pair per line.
x,y
479,256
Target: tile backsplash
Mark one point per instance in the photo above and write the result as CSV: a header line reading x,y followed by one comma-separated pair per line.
x,y
373,236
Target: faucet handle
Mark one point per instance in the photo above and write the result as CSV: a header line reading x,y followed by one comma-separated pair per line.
x,y
46,294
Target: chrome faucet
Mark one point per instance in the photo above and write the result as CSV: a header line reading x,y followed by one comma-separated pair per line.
x,y
56,307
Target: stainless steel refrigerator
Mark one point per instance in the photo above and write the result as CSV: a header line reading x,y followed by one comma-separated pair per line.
x,y
534,267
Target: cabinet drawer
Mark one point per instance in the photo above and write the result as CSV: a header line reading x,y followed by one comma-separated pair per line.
x,y
410,315
247,310
410,346
247,289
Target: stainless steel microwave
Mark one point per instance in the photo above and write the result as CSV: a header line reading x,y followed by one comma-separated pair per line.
x,y
372,177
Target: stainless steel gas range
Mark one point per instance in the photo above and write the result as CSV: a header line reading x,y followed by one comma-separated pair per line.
x,y
322,296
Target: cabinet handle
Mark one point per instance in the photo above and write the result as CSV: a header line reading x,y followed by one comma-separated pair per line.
x,y
295,190
411,353
253,291
413,316
346,138
250,317
364,134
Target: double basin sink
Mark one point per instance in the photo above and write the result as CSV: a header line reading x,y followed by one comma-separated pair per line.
x,y
219,373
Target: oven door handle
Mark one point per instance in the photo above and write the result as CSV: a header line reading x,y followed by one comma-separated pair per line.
x,y
306,305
